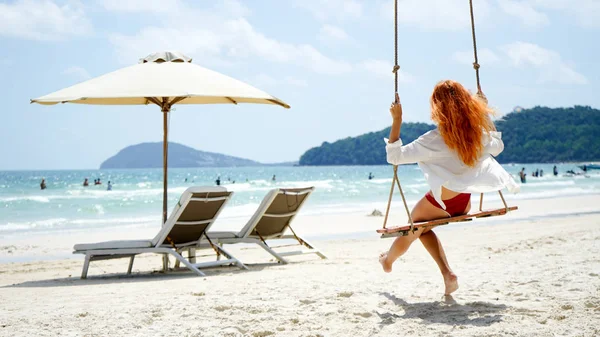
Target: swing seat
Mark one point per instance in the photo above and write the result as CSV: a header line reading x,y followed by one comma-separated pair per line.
x,y
405,230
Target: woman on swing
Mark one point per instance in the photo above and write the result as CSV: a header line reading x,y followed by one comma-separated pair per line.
x,y
456,159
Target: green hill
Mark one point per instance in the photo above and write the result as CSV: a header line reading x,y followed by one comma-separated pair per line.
x,y
537,135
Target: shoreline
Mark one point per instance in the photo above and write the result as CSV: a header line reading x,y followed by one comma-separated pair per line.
x,y
31,247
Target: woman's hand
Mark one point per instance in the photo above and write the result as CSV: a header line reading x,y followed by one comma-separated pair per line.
x,y
396,109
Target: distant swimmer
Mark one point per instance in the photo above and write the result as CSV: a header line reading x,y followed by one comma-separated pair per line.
x,y
218,181
273,179
97,182
43,184
109,186
555,170
86,183
522,175
371,176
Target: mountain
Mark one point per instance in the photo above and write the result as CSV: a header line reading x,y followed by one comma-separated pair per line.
x,y
150,155
536,135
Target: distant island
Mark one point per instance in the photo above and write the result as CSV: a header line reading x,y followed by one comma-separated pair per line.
x,y
537,135
150,155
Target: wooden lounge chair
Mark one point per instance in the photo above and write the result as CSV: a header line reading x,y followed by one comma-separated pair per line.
x,y
193,215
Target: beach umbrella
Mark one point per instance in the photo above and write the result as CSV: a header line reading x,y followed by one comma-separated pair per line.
x,y
164,79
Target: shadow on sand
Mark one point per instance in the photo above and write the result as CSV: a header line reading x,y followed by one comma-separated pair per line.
x,y
153,276
447,311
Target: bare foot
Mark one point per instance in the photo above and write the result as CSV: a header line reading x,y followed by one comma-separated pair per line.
x,y
451,283
383,260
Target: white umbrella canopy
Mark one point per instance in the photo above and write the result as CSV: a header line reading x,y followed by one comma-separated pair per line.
x,y
164,79
160,75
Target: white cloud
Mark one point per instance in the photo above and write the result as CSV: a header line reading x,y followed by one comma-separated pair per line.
x,y
325,10
43,19
78,72
525,12
158,6
550,65
212,37
383,69
233,7
332,33
586,12
445,15
485,57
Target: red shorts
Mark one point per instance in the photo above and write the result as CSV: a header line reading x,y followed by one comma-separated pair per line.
x,y
454,206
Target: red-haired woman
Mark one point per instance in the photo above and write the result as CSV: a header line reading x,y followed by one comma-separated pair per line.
x,y
456,159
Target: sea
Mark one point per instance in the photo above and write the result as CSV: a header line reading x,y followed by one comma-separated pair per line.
x,y
136,196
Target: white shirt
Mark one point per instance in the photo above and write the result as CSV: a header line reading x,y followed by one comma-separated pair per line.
x,y
443,167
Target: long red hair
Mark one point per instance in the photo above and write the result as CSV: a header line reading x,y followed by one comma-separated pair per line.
x,y
462,119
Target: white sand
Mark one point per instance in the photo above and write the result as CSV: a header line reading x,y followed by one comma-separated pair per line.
x,y
524,274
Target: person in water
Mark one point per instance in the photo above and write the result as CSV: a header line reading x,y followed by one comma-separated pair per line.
x,y
371,176
43,184
109,186
523,176
218,181
456,159
555,170
86,183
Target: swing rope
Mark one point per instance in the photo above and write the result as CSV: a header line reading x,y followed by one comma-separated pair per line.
x,y
476,65
395,179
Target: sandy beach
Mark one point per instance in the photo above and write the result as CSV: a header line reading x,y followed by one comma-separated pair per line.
x,y
535,272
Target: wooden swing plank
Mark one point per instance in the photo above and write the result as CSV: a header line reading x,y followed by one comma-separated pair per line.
x,y
403,230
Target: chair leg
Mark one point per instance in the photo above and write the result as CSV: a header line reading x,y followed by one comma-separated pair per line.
x,y
186,263
192,255
221,246
130,264
165,262
86,265
231,257
318,252
176,265
272,252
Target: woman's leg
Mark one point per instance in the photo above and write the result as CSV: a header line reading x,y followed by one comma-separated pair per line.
x,y
423,211
434,246
435,249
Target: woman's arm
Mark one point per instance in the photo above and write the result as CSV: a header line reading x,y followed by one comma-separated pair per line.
x,y
419,150
396,112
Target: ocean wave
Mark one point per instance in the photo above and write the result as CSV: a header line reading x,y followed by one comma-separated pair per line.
x,y
381,181
36,198
551,183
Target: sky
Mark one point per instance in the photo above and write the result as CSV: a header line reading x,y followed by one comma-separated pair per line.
x,y
331,60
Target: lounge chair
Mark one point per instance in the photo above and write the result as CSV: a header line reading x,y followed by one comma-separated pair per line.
x,y
270,221
193,215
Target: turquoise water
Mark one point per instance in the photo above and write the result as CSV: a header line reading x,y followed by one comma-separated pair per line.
x,y
136,198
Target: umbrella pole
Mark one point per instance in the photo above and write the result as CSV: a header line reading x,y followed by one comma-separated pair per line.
x,y
165,110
